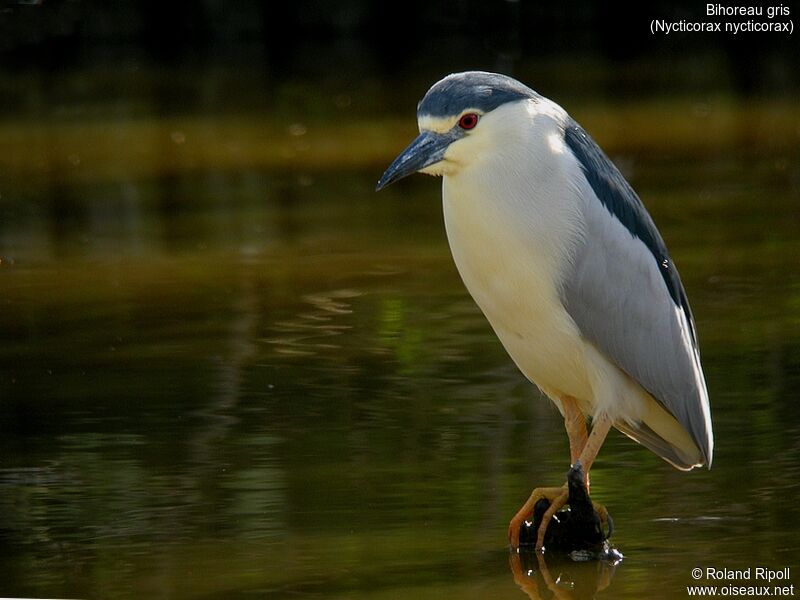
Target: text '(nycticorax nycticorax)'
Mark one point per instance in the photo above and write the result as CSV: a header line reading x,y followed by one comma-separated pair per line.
x,y
561,256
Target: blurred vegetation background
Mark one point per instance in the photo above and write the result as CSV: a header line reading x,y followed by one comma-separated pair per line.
x,y
228,367
376,48
263,72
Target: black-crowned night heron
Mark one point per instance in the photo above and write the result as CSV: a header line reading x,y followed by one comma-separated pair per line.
x,y
565,262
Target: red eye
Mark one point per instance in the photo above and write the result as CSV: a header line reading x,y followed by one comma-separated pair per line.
x,y
468,121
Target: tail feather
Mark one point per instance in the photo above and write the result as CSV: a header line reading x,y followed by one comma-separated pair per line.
x,y
660,432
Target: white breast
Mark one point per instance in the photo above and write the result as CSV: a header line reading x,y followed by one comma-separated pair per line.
x,y
511,230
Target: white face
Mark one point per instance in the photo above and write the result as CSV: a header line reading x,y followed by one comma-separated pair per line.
x,y
465,127
478,135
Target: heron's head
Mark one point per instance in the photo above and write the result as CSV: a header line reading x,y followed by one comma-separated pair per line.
x,y
458,120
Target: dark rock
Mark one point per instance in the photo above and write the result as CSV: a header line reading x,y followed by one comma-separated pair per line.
x,y
575,529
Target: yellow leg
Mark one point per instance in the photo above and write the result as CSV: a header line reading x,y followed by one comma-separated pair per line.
x,y
583,448
552,494
600,429
575,424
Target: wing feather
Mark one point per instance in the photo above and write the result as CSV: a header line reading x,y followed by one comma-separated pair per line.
x,y
627,298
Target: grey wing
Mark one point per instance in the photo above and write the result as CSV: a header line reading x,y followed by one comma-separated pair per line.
x,y
627,298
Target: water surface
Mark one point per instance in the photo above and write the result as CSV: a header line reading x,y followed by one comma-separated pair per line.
x,y
230,369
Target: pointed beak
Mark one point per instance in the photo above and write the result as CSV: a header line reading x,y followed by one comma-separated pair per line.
x,y
427,149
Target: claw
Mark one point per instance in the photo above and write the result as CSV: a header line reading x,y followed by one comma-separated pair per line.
x,y
605,518
581,527
524,513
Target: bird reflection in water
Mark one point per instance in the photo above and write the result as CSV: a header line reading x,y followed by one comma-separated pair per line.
x,y
543,576
579,559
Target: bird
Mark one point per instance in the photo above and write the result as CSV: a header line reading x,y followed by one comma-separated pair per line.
x,y
566,264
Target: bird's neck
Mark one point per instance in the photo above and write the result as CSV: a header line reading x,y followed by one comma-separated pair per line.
x,y
515,196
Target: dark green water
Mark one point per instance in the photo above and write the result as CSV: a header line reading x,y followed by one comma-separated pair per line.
x,y
242,377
